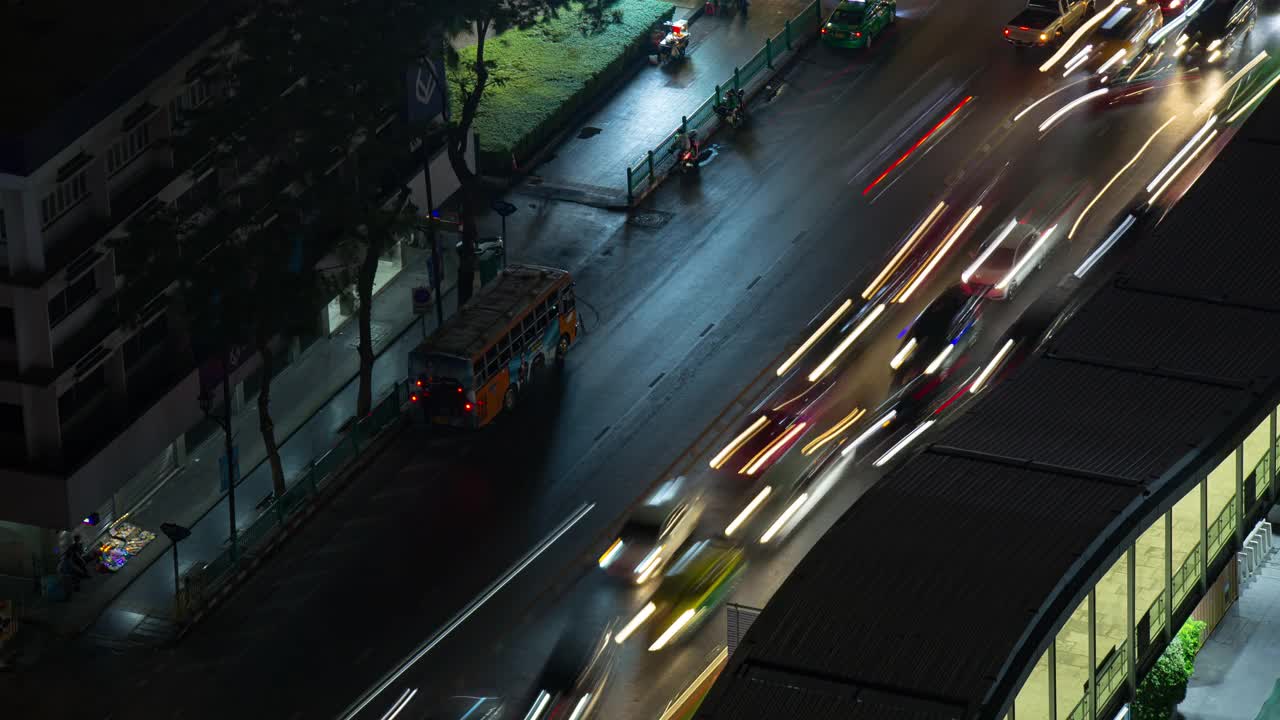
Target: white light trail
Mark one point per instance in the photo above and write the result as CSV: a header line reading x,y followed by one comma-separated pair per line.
x,y
1221,93
903,443
640,618
1080,33
1183,166
1026,259
991,367
1048,123
457,620
938,254
1256,97
844,344
1114,178
783,518
866,435
1033,105
937,361
1112,61
671,631
817,335
400,704
743,437
747,511
1077,61
986,253
1181,153
903,354
916,234
1105,247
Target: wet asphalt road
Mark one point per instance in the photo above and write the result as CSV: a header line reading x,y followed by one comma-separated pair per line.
x,y
680,319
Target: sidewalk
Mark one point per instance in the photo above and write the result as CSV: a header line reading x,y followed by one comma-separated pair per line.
x,y
593,158
1238,669
312,398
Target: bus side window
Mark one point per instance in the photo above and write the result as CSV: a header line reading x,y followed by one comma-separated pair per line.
x,y
491,363
504,350
569,301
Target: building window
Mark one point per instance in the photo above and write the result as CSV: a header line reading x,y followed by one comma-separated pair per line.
x,y
193,96
66,196
127,148
75,295
82,393
151,336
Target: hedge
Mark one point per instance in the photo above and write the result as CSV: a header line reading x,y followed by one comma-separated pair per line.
x,y
1166,684
548,72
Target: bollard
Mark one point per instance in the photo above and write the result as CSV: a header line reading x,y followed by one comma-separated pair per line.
x,y
737,79
768,53
629,198
651,167
786,33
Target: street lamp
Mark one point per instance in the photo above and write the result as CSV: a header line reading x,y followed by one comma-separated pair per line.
x,y
176,534
224,421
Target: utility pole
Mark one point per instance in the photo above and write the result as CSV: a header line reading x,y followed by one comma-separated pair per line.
x,y
224,421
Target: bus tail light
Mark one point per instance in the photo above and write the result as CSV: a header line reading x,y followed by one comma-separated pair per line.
x,y
413,397
466,407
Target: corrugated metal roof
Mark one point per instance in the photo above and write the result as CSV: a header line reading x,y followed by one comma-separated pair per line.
x,y
1154,377
489,312
1173,335
1210,248
1100,420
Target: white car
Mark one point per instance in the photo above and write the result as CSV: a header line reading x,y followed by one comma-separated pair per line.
x,y
655,532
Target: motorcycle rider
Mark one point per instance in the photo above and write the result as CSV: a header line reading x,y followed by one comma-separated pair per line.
x,y
733,107
687,146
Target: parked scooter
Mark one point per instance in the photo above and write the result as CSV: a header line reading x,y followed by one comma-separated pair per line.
x,y
732,108
687,150
675,46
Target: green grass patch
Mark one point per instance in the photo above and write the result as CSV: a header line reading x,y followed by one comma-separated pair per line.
x,y
549,71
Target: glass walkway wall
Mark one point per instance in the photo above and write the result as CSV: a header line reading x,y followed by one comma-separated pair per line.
x,y
1138,600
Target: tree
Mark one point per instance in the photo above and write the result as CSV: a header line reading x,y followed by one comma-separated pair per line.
x,y
479,20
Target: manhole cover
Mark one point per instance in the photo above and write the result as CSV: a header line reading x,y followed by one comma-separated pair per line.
x,y
651,219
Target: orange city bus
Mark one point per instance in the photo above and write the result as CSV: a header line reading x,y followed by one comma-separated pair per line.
x,y
480,360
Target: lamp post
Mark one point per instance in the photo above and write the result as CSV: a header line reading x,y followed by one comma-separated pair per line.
x,y
224,421
176,534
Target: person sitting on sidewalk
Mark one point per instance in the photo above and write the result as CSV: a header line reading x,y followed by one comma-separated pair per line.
x,y
72,572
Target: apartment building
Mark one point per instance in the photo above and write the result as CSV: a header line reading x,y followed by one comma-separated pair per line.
x,y
94,412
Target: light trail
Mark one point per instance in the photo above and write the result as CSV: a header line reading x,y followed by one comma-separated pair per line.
x,y
917,145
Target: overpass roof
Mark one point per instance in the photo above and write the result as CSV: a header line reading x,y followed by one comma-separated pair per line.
x,y
1038,486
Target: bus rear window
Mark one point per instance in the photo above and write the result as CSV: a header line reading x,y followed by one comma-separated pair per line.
x,y
445,368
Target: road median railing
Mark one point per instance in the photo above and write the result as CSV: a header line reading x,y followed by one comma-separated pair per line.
x,y
207,583
644,174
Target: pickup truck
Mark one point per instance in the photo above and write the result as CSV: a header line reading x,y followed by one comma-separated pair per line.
x,y
1046,22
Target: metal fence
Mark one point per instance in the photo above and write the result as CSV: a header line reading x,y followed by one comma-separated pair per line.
x,y
205,581
805,26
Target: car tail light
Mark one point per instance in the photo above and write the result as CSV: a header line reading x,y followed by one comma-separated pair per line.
x,y
824,31
1023,27
413,397
1006,32
466,407
857,34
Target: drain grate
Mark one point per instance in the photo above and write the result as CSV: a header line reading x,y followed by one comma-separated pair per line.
x,y
650,219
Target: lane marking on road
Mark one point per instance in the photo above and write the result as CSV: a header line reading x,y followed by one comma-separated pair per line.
x,y
657,379
753,282
706,330
602,432
485,596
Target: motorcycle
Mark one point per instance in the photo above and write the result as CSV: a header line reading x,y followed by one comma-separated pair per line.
x,y
675,46
733,108
687,151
